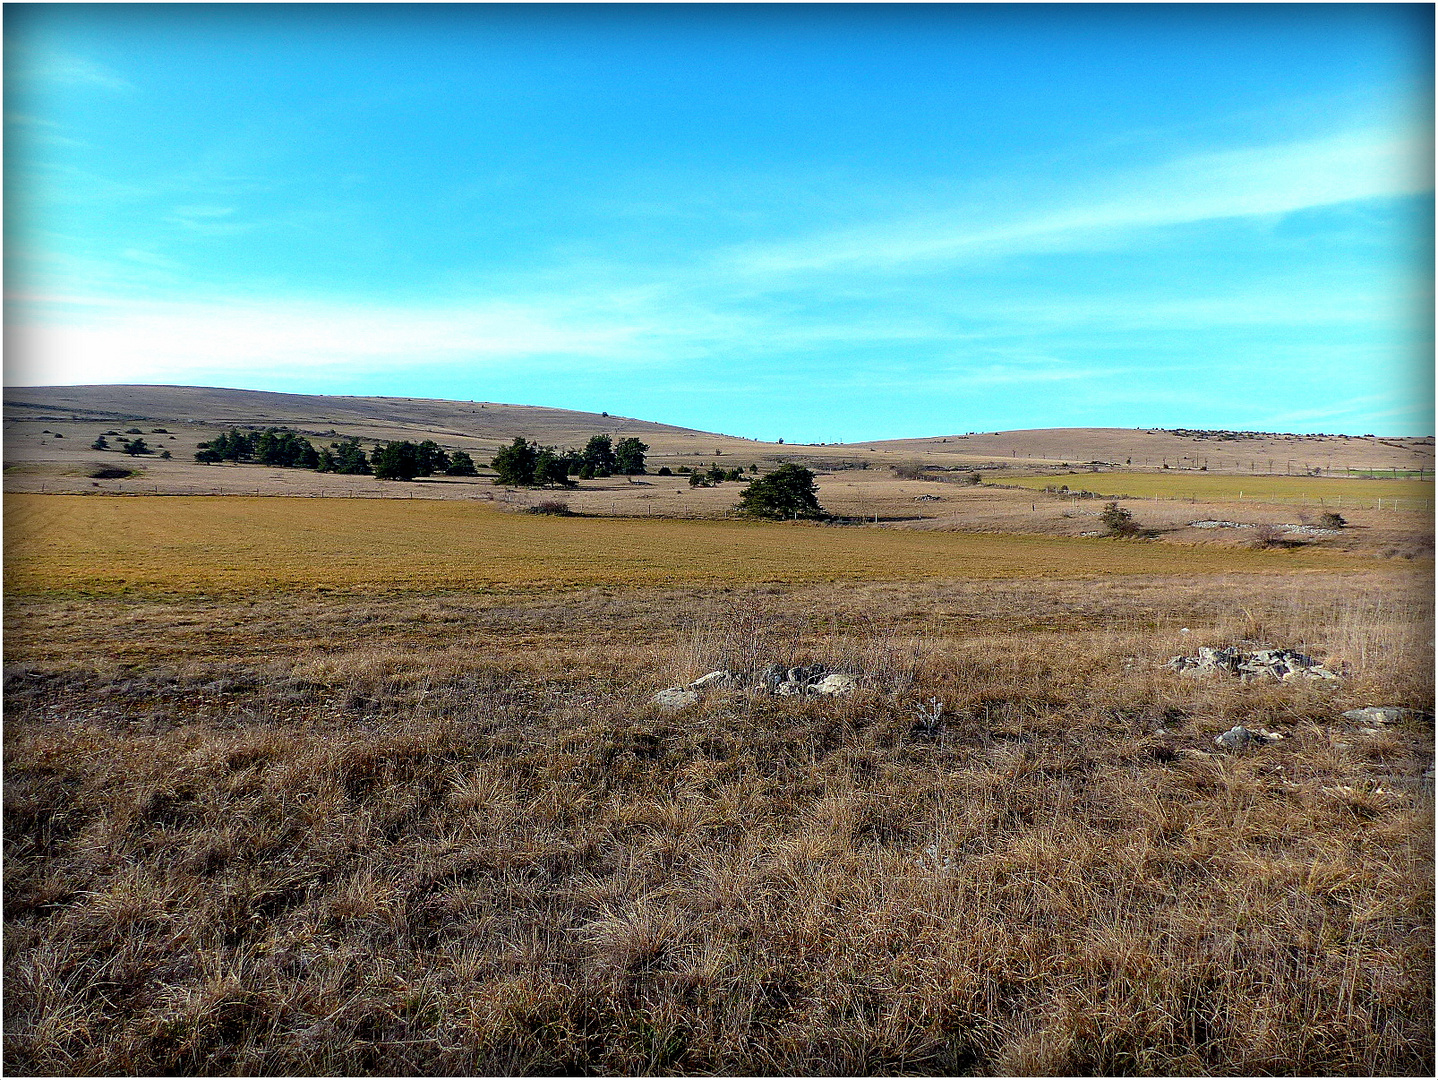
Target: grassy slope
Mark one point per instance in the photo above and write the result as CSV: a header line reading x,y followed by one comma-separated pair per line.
x,y
1253,488
203,543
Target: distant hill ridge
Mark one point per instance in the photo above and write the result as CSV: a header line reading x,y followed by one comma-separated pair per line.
x,y
484,425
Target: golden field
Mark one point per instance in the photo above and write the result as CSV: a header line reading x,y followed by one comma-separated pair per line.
x,y
96,543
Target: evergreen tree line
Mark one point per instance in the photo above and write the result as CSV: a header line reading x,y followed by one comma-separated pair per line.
x,y
527,464
402,460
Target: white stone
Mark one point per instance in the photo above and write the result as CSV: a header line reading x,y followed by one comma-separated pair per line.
x,y
674,698
836,684
1375,714
713,678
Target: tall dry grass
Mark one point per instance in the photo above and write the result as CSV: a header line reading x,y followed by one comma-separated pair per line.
x,y
450,835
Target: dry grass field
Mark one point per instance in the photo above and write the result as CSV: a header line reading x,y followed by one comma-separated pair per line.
x,y
150,544
428,821
1334,493
372,783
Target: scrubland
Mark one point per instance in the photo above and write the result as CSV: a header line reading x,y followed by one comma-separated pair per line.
x,y
434,826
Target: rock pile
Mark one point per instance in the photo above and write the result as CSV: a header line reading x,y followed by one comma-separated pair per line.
x,y
1239,737
814,679
1284,665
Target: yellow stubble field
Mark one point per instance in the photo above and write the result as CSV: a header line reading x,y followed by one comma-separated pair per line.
x,y
232,544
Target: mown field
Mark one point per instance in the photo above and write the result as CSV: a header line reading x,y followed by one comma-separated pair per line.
x,y
1284,490
98,543
352,787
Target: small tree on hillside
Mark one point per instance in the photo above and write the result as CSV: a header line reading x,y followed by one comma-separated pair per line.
x,y
787,492
515,463
629,457
550,469
598,455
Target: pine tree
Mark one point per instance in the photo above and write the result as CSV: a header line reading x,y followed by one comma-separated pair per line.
x,y
787,492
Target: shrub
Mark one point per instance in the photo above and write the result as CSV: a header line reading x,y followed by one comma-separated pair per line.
x,y
100,444
1117,521
665,470
556,507
909,470
1332,520
109,472
1271,536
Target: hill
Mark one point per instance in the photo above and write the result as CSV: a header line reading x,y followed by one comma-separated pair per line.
x,y
482,426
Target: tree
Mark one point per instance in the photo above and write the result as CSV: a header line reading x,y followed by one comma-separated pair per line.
x,y
629,457
550,469
460,464
395,461
599,455
1117,521
99,443
345,457
429,458
787,492
515,463
284,449
135,446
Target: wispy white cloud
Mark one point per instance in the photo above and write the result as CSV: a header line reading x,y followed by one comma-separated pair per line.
x,y
77,339
67,69
1249,182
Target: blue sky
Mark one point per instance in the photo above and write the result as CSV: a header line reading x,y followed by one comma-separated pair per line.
x,y
820,223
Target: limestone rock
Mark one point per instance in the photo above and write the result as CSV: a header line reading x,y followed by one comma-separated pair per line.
x,y
836,684
714,678
674,698
1239,737
1376,714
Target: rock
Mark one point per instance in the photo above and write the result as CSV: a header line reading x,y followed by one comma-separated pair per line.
x,y
1239,737
674,698
1376,714
836,684
790,688
1281,664
808,675
714,678
773,675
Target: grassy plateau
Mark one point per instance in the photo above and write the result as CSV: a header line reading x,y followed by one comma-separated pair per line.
x,y
1412,494
340,787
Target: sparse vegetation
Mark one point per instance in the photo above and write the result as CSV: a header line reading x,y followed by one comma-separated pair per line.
x,y
476,850
1118,521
